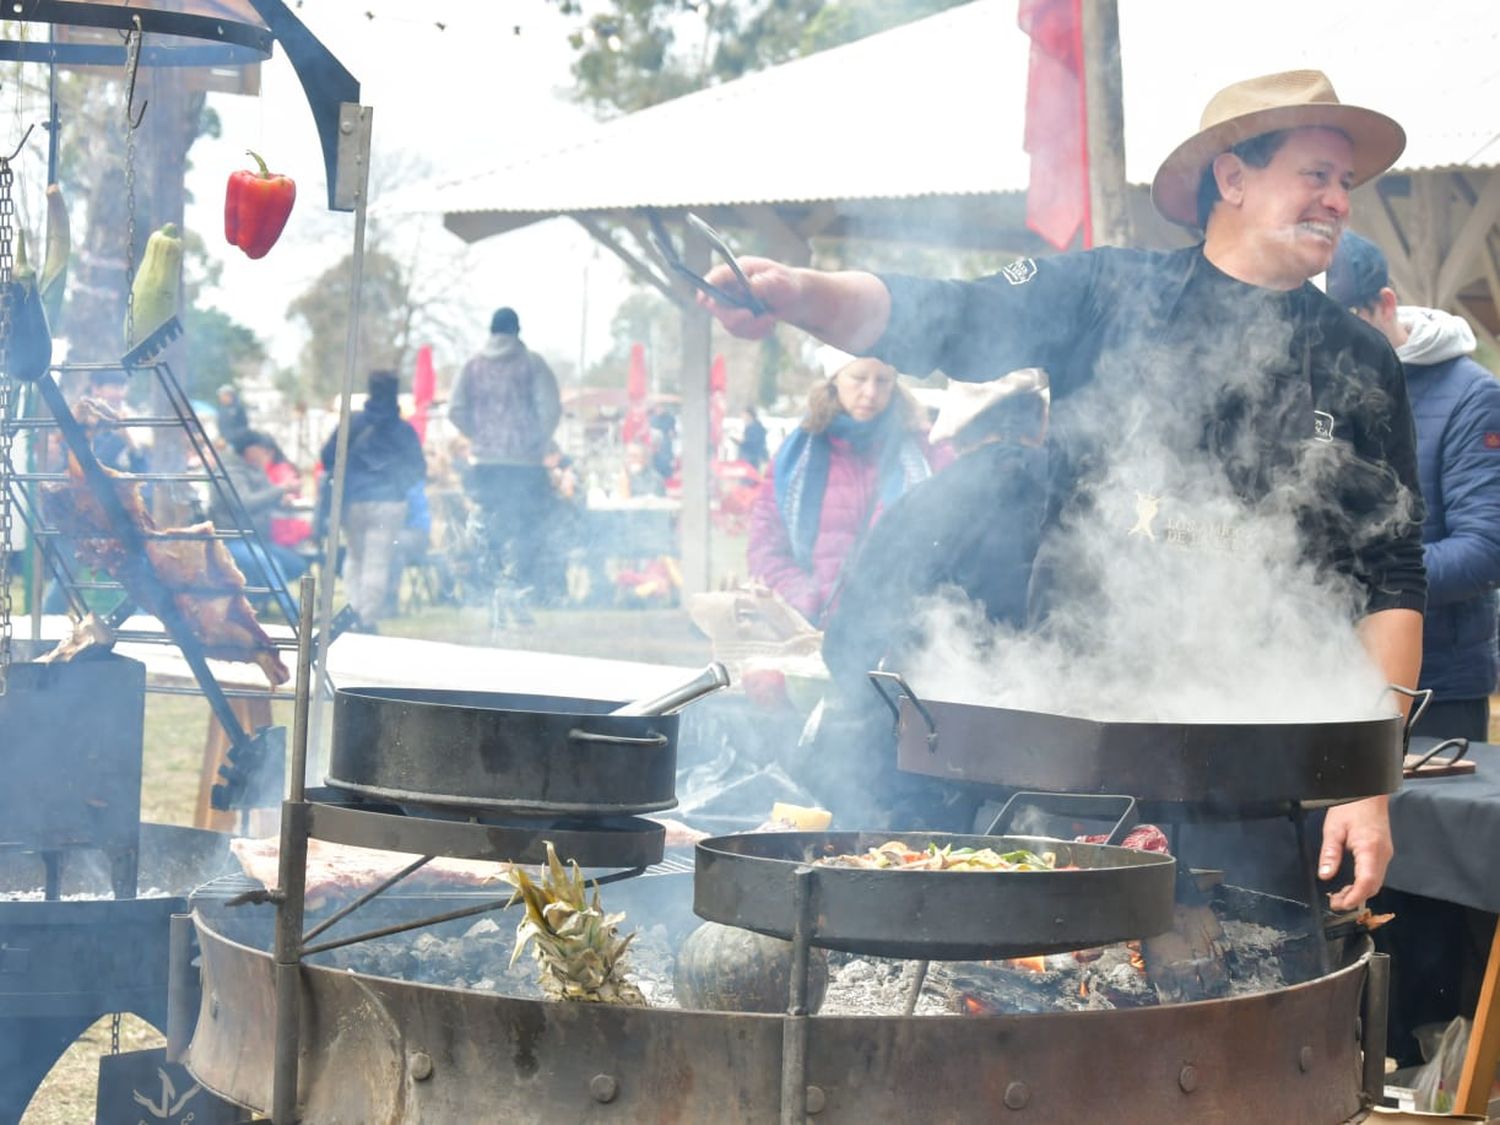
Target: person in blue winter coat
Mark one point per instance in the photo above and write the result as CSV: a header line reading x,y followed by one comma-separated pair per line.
x,y
1456,406
1438,949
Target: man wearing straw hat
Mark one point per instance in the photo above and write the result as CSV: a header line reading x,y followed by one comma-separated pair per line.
x,y
1217,360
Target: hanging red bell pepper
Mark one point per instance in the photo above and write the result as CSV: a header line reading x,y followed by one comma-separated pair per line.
x,y
256,206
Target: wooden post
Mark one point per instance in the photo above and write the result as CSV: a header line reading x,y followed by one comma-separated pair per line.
x,y
697,345
1104,101
1484,1041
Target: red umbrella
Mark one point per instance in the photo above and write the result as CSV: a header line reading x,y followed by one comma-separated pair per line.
x,y
718,375
423,387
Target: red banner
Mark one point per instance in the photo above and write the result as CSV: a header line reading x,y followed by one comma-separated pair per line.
x,y
1057,202
423,387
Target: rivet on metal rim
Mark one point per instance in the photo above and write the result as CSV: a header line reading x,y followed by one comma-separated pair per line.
x,y
1017,1095
419,1066
817,1101
604,1088
1187,1078
1305,1059
213,1006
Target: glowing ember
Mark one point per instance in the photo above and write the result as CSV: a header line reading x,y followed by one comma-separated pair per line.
x,y
1036,964
974,1006
1083,989
1137,961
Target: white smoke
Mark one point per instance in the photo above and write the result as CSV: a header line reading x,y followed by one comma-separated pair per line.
x,y
1179,601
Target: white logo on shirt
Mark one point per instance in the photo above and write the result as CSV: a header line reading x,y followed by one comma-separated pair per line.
x,y
1322,426
1020,271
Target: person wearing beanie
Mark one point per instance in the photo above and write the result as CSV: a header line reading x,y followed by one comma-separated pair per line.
x,y
1196,394
385,462
1456,405
506,402
1438,952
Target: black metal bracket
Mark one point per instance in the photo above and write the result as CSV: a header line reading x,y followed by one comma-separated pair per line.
x,y
1085,806
253,775
903,689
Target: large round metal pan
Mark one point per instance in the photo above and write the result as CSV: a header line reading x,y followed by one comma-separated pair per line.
x,y
1233,768
494,751
1116,894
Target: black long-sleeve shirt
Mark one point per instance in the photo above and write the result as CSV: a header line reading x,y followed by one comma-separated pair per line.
x,y
1175,380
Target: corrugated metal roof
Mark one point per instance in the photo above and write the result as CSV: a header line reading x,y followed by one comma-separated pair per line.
x,y
937,107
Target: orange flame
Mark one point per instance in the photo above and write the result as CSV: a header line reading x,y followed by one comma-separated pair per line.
x,y
973,1006
1137,961
1083,989
1037,964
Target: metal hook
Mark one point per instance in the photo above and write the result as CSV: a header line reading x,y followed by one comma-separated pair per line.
x,y
24,137
132,68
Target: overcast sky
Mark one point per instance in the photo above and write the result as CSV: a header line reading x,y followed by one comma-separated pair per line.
x,y
460,98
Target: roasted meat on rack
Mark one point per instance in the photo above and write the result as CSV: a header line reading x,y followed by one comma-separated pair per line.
x,y
199,574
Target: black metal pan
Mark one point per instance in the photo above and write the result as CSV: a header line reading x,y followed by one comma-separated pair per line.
x,y
502,752
1116,894
1234,768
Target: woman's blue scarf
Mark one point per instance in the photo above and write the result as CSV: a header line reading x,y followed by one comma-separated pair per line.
x,y
801,473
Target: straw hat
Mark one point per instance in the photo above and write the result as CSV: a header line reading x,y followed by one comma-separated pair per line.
x,y
1294,99
963,402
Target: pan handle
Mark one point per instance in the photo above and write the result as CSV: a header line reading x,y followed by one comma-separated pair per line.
x,y
1094,806
578,735
1421,698
903,689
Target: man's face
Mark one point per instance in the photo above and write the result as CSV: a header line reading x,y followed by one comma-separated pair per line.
x,y
1295,207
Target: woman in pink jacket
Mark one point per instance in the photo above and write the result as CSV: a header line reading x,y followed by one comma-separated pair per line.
x,y
860,446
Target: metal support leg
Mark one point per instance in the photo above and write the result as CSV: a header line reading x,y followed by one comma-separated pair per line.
x,y
1374,1005
794,1027
295,821
1307,851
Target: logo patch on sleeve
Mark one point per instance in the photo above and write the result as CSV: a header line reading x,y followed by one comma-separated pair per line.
x,y
1491,440
1020,271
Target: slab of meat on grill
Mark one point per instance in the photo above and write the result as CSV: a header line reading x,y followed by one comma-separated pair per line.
x,y
200,574
340,871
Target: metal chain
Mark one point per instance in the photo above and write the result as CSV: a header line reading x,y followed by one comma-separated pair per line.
x,y
132,63
7,270
114,1034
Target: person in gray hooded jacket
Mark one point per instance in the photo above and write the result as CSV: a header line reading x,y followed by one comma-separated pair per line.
x,y
505,401
1456,406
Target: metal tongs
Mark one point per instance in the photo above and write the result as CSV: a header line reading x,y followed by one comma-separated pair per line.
x,y
661,241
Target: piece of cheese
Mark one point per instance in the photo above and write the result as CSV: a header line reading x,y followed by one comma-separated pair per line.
x,y
809,820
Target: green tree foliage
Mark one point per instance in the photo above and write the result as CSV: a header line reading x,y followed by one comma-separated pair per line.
x,y
222,349
631,54
323,311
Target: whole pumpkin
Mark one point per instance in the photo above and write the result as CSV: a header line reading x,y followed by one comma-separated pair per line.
x,y
727,969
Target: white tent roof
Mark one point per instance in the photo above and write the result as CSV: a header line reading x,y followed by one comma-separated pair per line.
x,y
937,107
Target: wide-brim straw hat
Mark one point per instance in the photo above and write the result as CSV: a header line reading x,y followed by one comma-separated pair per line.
x,y
963,402
1293,99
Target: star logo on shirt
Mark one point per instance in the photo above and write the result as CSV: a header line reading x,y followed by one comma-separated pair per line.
x,y
1147,508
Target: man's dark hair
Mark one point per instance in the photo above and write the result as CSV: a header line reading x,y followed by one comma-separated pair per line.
x,y
505,322
1255,151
